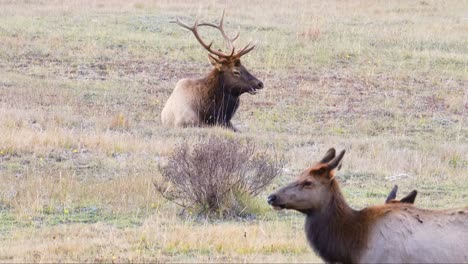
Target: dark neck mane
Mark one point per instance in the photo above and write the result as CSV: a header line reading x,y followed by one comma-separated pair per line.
x,y
216,86
337,232
213,82
218,102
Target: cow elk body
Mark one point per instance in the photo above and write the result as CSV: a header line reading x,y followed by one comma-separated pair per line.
x,y
395,232
212,100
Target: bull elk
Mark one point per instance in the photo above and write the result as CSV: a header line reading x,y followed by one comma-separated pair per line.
x,y
388,233
212,100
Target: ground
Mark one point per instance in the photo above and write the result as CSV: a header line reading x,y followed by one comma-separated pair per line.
x,y
82,85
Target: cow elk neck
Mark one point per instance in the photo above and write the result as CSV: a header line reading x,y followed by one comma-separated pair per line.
x,y
336,230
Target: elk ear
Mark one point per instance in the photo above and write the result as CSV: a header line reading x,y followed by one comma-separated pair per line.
x,y
336,162
328,156
319,171
410,198
392,194
215,62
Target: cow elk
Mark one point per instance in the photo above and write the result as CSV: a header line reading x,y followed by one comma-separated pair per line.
x,y
213,100
389,233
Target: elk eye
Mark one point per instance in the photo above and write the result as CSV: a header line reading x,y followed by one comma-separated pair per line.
x,y
236,73
308,183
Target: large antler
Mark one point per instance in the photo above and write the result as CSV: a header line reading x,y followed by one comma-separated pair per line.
x,y
220,27
194,30
229,41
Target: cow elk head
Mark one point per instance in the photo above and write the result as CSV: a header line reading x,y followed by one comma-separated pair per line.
x,y
313,189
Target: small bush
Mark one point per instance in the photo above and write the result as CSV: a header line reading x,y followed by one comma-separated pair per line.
x,y
216,175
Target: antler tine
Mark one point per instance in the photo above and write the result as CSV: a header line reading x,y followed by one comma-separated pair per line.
x,y
180,23
194,30
245,50
234,38
220,27
232,52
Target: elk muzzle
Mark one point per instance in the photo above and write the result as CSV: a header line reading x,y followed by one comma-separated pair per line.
x,y
274,202
255,85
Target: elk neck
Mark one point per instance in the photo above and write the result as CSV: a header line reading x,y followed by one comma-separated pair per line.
x,y
216,85
337,232
220,101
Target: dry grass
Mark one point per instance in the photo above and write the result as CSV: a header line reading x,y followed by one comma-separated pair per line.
x,y
83,83
162,237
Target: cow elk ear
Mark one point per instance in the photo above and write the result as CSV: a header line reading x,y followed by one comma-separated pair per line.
x,y
392,194
318,171
215,62
336,162
410,198
328,156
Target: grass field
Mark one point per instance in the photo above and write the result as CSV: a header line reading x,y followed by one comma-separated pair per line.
x,y
82,85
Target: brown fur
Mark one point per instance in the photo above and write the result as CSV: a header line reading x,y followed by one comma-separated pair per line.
x,y
212,100
337,232
393,232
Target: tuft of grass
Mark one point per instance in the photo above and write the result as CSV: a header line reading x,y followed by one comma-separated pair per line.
x,y
119,122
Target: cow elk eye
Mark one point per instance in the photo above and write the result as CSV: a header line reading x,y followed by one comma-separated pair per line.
x,y
307,183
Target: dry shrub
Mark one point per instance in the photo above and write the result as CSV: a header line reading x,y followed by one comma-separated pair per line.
x,y
216,175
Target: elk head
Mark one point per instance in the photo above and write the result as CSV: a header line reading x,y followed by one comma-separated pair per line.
x,y
312,190
233,74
